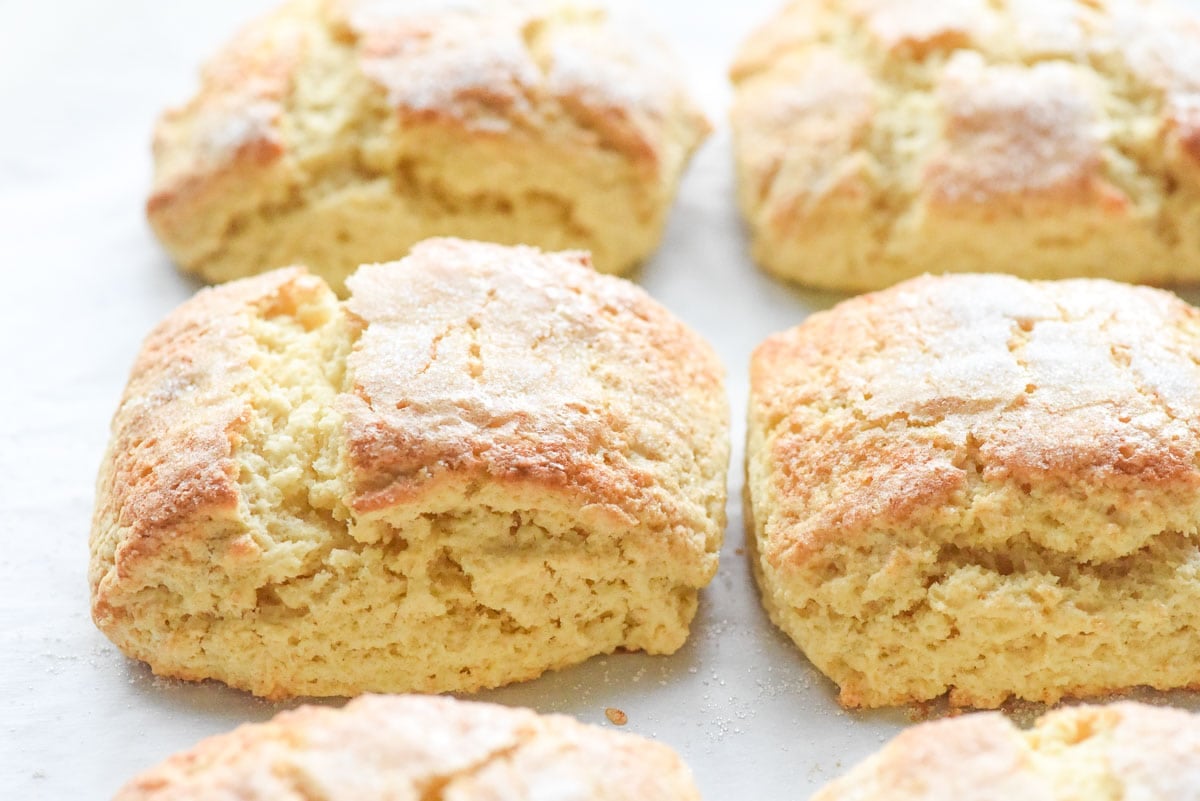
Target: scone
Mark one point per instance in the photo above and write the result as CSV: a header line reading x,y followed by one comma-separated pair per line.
x,y
1120,752
410,748
334,133
983,486
487,463
880,139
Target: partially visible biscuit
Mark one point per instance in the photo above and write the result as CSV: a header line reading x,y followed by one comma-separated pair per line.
x,y
489,462
1118,752
983,486
417,747
334,133
880,139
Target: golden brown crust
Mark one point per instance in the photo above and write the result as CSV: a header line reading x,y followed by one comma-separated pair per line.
x,y
408,747
234,124
524,375
1016,132
827,113
490,65
1049,139
1104,753
939,378
170,461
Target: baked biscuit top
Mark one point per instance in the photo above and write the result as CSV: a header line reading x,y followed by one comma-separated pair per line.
x,y
515,365
925,104
317,77
959,404
1122,750
417,747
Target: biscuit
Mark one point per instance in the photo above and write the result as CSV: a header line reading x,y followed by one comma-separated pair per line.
x,y
880,139
489,462
418,747
334,133
983,486
1098,753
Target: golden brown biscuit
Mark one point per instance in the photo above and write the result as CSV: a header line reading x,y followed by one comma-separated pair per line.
x,y
334,133
983,486
880,139
489,462
1119,752
418,748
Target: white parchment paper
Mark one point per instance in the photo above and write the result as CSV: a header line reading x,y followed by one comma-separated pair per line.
x,y
80,85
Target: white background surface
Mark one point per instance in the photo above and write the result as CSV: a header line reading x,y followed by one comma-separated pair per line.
x,y
80,85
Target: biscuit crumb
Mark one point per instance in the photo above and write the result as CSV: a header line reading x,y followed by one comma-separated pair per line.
x,y
616,716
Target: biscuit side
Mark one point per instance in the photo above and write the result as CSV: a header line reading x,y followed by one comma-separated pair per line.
x,y
984,487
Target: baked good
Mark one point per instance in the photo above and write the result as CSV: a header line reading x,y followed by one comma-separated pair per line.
x,y
1087,753
983,486
405,748
334,133
880,139
487,463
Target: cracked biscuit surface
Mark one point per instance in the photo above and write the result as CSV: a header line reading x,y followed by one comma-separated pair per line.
x,y
334,133
418,748
983,486
877,140
1087,753
487,463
